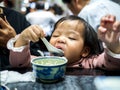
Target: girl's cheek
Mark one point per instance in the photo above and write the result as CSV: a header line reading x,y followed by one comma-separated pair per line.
x,y
52,41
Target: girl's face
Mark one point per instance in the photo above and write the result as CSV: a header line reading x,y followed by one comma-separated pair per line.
x,y
68,36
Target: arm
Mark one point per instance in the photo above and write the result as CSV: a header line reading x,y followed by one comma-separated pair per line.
x,y
32,33
107,61
109,33
19,46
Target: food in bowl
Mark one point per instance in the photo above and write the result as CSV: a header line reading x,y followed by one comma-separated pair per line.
x,y
49,69
48,62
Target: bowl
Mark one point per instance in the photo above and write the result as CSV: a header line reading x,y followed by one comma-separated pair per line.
x,y
49,69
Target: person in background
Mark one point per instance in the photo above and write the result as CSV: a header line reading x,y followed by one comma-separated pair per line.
x,y
117,1
9,3
93,10
42,17
75,37
57,10
12,24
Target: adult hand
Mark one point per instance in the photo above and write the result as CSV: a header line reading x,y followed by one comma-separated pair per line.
x,y
6,32
109,33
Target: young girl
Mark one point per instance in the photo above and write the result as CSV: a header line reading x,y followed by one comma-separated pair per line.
x,y
77,39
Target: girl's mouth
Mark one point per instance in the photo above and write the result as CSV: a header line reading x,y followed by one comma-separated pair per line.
x,y
59,47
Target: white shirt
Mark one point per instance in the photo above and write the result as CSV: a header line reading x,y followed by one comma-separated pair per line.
x,y
45,19
96,9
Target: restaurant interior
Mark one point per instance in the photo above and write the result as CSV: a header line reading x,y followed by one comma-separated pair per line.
x,y
74,79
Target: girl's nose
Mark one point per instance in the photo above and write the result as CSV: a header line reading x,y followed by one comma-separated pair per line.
x,y
61,40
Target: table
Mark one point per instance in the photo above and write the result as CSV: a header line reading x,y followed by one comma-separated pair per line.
x,y
74,71
70,83
75,79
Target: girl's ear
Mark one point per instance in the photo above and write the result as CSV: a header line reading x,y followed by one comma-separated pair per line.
x,y
85,51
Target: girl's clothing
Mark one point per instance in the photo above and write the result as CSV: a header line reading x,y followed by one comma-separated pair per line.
x,y
20,57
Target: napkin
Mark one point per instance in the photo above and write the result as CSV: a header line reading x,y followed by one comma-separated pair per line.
x,y
14,76
107,82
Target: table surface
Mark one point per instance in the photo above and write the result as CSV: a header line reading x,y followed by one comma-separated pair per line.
x,y
75,79
69,83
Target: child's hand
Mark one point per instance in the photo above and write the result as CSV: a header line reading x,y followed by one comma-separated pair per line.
x,y
109,33
32,33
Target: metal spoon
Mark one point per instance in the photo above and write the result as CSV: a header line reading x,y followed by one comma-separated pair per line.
x,y
55,51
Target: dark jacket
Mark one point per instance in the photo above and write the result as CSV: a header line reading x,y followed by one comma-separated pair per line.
x,y
19,23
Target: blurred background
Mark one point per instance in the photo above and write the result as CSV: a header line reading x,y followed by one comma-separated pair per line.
x,y
25,6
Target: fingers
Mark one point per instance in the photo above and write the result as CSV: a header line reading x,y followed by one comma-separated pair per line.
x,y
3,23
102,29
116,26
38,31
33,33
109,32
6,20
101,32
109,24
107,19
34,36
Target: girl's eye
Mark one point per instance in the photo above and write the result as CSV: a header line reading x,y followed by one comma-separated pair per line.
x,y
72,38
55,35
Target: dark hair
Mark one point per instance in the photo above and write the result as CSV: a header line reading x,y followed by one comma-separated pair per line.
x,y
9,3
90,36
66,1
58,9
39,5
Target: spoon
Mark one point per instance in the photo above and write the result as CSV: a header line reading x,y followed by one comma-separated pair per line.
x,y
55,51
